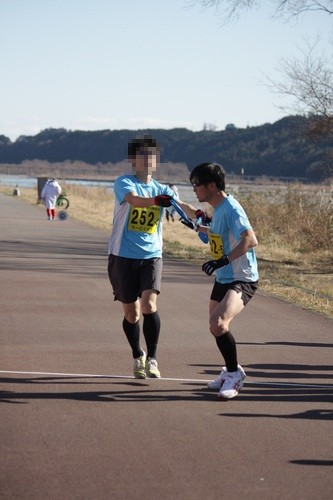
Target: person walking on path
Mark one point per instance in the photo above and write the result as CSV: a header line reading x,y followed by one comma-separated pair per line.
x,y
135,251
232,241
49,194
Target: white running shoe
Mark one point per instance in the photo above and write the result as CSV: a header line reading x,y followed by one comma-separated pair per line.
x,y
152,370
231,386
216,384
139,368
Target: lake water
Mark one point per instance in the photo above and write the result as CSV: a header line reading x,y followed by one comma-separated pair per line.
x,y
185,191
186,194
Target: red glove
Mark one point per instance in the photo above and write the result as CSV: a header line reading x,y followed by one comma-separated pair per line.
x,y
204,218
163,200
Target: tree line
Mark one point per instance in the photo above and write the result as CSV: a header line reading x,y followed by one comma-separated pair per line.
x,y
285,148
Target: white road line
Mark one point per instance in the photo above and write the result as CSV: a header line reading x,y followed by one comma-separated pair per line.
x,y
130,377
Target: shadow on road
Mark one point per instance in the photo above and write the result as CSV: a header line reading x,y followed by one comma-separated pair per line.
x,y
143,391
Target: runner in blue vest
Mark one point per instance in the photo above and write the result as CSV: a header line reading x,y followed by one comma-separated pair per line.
x,y
135,250
232,241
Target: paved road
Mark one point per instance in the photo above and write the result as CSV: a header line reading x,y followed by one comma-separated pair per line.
x,y
76,425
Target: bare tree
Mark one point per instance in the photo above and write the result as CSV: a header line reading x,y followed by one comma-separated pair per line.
x,y
294,8
308,81
229,10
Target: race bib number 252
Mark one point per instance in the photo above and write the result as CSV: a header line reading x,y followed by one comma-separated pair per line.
x,y
144,220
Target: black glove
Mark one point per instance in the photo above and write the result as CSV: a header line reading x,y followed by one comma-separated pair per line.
x,y
211,266
189,223
163,200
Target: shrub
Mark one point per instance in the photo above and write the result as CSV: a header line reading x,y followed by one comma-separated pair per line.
x,y
300,217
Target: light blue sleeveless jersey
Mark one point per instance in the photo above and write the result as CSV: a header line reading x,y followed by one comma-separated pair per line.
x,y
228,223
137,232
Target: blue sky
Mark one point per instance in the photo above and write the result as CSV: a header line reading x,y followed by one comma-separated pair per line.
x,y
115,64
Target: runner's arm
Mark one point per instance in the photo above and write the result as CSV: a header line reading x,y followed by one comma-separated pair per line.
x,y
190,210
248,240
141,202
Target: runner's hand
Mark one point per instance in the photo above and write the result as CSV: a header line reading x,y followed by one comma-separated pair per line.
x,y
163,200
211,266
200,214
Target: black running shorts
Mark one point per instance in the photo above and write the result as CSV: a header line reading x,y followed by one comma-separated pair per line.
x,y
248,289
130,277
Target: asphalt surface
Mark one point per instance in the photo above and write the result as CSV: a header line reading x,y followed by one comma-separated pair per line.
x,y
74,422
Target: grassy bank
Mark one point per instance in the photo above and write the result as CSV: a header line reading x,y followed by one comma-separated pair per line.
x,y
294,230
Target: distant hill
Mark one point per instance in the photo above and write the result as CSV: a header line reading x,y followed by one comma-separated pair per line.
x,y
281,149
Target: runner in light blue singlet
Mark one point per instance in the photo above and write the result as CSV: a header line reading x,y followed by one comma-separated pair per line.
x,y
228,223
135,251
137,232
232,242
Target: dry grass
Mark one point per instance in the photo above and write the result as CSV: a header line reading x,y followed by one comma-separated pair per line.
x,y
91,205
295,258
